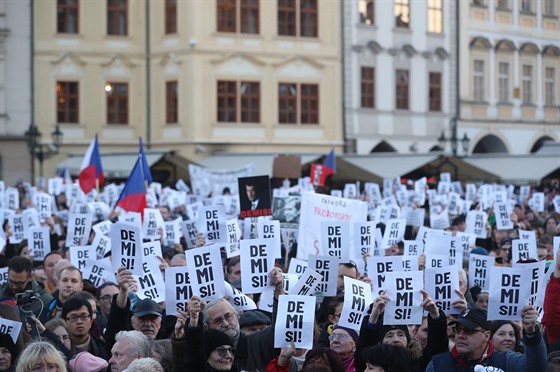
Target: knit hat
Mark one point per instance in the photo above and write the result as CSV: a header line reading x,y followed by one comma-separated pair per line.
x,y
7,342
386,328
213,339
86,362
350,331
388,356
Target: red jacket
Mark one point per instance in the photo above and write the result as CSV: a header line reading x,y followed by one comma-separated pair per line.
x,y
551,317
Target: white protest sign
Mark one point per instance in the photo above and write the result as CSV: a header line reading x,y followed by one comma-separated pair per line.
x,y
538,284
523,249
3,275
10,327
126,243
189,233
414,216
79,255
327,267
435,261
43,202
307,283
55,186
153,224
150,283
479,271
233,237
178,290
357,298
378,267
466,241
102,228
377,250
410,263
476,223
538,201
102,244
437,243
556,203
256,262
270,229
364,238
404,291
151,249
98,272
297,267
205,272
131,218
31,218
172,232
439,220
299,315
212,223
508,292
441,285
456,252
316,208
527,235
502,213
79,227
238,299
335,239
17,228
394,232
412,248
39,242
11,198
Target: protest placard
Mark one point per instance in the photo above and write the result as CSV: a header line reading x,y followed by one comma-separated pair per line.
x,y
364,238
441,285
410,263
479,271
476,223
327,267
17,228
270,229
189,233
3,275
178,290
378,267
212,222
297,267
233,237
508,292
250,228
414,216
307,283
79,228
437,242
11,328
335,239
150,283
502,213
394,232
172,232
434,261
98,272
39,242
43,203
102,245
153,224
254,196
238,299
522,249
102,228
126,243
439,220
538,201
412,248
79,255
256,263
403,288
151,249
30,219
205,272
466,242
538,283
529,235
131,218
357,298
556,203
456,252
11,198
296,318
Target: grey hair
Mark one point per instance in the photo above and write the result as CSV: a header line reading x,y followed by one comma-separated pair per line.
x,y
40,351
144,365
139,343
210,304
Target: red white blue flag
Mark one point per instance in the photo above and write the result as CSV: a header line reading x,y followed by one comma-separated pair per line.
x,y
320,172
91,172
133,196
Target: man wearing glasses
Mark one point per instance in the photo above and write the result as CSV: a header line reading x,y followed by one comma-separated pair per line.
x,y
20,280
105,294
78,314
473,346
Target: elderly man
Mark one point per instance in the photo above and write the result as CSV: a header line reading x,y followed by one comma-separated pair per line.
x,y
253,352
473,345
128,347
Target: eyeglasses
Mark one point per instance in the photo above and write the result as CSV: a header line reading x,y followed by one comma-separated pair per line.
x,y
106,299
64,338
228,317
223,351
468,332
17,284
338,336
49,367
74,318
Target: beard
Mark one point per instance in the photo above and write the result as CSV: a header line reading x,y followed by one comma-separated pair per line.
x,y
233,332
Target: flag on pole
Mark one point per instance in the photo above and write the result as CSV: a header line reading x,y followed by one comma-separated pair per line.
x,y
145,166
91,170
319,173
133,196
65,175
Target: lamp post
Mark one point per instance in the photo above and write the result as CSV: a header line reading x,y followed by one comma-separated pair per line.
x,y
454,141
42,151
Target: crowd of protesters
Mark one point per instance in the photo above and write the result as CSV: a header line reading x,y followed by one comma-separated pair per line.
x,y
72,325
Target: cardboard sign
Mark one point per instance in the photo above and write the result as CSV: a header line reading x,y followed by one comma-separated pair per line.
x,y
439,220
436,261
79,228
364,238
476,224
357,298
254,196
3,275
465,242
131,218
394,232
335,239
307,283
403,289
172,232
43,202
102,245
126,243
102,228
538,201
153,224
297,267
250,228
79,256
412,248
205,272
538,283
269,229
410,263
523,249
178,290
39,242
233,237
298,313
17,228
150,283
256,262
10,327
189,233
327,267
509,292
528,235
151,249
437,243
98,272
378,267
11,198
479,271
287,211
502,213
414,216
441,285
238,299
212,223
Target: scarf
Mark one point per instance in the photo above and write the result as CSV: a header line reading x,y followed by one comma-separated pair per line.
x,y
469,363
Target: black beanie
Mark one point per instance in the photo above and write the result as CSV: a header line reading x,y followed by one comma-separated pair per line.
x,y
387,328
213,339
7,342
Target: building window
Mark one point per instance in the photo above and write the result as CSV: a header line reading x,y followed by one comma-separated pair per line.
x,y
503,82
231,13
549,8
478,76
402,89
402,14
435,16
117,103
479,2
289,105
435,91
527,84
502,5
238,102
366,9
549,86
117,14
368,87
526,6
170,16
67,102
67,16
171,107
298,17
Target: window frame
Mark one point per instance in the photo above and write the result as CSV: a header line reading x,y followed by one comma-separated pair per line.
x,y
248,101
113,18
68,99
503,7
308,114
366,10
550,8
306,15
113,99
504,95
307,107
170,7
549,86
526,7
367,87
63,6
302,16
434,91
244,103
246,12
171,102
527,95
433,12
402,4
402,89
479,81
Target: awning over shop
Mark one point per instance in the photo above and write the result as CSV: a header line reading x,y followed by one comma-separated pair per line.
x,y
518,169
389,166
457,167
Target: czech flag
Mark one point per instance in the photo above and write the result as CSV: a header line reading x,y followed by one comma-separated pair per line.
x,y
91,170
319,173
145,166
65,175
133,196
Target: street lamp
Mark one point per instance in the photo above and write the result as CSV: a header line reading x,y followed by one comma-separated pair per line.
x,y
42,151
454,141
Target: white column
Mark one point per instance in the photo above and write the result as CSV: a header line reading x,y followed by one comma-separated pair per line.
x,y
492,111
491,10
540,101
538,12
515,11
516,111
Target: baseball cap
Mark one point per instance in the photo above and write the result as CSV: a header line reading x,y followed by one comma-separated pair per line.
x,y
145,307
473,318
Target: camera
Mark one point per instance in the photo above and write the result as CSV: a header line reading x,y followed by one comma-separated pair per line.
x,y
24,298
